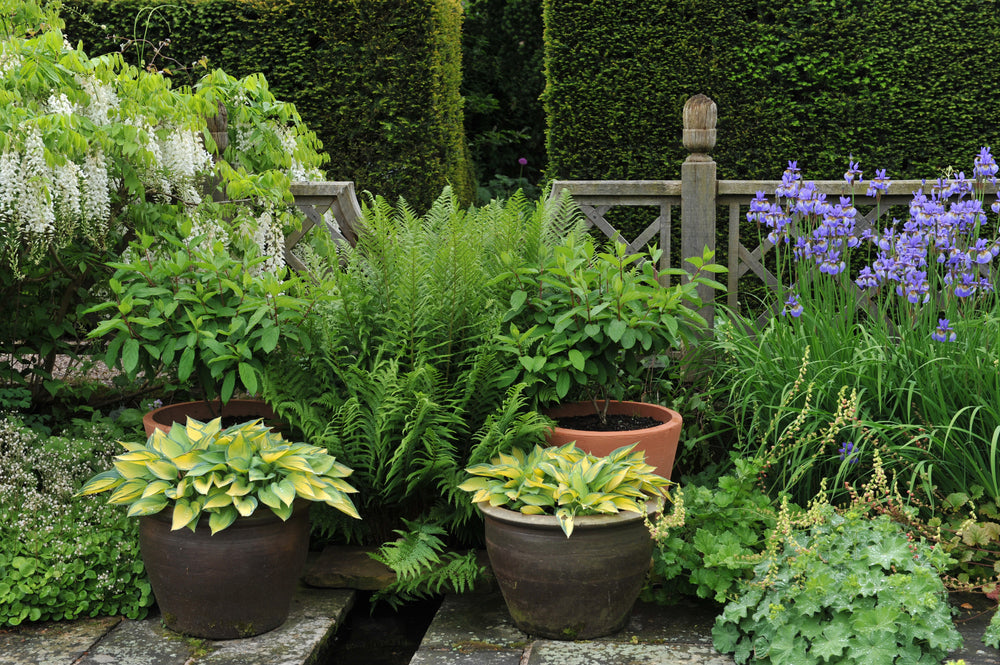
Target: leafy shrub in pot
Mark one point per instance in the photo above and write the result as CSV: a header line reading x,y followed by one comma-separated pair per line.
x,y
583,319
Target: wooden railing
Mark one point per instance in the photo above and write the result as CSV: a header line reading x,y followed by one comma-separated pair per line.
x,y
315,200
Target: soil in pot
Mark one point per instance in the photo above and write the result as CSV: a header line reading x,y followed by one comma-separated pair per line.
x,y
615,422
383,635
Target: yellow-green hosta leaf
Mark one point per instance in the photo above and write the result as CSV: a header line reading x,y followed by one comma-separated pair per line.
x,y
128,491
184,515
537,500
147,506
189,461
245,505
203,484
220,520
481,495
163,469
240,464
268,497
238,449
295,462
565,521
155,487
166,446
344,505
341,485
321,464
132,446
138,456
625,503
273,455
218,499
284,512
239,487
474,484
532,510
103,481
284,490
301,484
179,490
129,470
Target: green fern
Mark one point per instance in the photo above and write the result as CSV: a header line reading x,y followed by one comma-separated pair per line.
x,y
422,566
403,385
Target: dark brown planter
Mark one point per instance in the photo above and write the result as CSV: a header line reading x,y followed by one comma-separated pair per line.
x,y
575,588
659,443
241,409
237,583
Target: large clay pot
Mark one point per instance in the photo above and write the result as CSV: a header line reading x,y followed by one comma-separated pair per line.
x,y
237,409
574,588
659,442
237,583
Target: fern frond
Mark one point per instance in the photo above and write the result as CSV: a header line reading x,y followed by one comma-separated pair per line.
x,y
422,567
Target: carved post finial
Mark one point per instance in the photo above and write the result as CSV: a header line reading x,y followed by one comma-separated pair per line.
x,y
700,115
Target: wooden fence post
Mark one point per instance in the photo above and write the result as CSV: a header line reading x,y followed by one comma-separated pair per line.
x,y
698,188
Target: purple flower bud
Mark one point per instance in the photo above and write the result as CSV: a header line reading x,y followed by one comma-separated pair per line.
x,y
523,161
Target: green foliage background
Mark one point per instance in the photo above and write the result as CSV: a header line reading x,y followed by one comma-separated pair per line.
x,y
905,86
377,80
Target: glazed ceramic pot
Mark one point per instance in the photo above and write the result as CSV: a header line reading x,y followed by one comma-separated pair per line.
x,y
237,583
574,588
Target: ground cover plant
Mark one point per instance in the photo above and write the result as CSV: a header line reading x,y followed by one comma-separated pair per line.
x,y
840,587
62,557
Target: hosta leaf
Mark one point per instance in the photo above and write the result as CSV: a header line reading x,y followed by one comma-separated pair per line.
x,y
184,515
245,505
163,469
156,487
147,506
218,500
284,490
103,481
128,491
344,505
131,469
220,520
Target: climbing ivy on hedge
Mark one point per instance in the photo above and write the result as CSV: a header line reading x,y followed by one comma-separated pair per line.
x,y
903,86
378,80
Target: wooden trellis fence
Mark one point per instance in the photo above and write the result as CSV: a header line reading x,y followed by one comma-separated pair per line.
x,y
698,195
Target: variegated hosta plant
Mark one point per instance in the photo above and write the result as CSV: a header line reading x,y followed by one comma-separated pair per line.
x,y
200,468
566,482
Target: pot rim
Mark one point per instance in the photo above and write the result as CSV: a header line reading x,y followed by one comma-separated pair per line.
x,y
580,522
669,415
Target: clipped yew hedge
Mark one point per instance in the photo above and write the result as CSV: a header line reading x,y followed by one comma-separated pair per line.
x,y
905,86
378,81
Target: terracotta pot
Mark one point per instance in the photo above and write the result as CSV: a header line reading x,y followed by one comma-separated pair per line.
x,y
659,442
242,409
237,583
574,588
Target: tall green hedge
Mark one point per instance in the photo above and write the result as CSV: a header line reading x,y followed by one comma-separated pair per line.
x,y
903,85
377,80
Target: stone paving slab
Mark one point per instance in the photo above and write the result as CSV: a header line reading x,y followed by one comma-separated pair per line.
x,y
313,620
477,630
52,643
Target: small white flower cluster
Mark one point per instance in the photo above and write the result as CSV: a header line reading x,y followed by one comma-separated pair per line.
x,y
103,100
40,199
181,158
270,238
